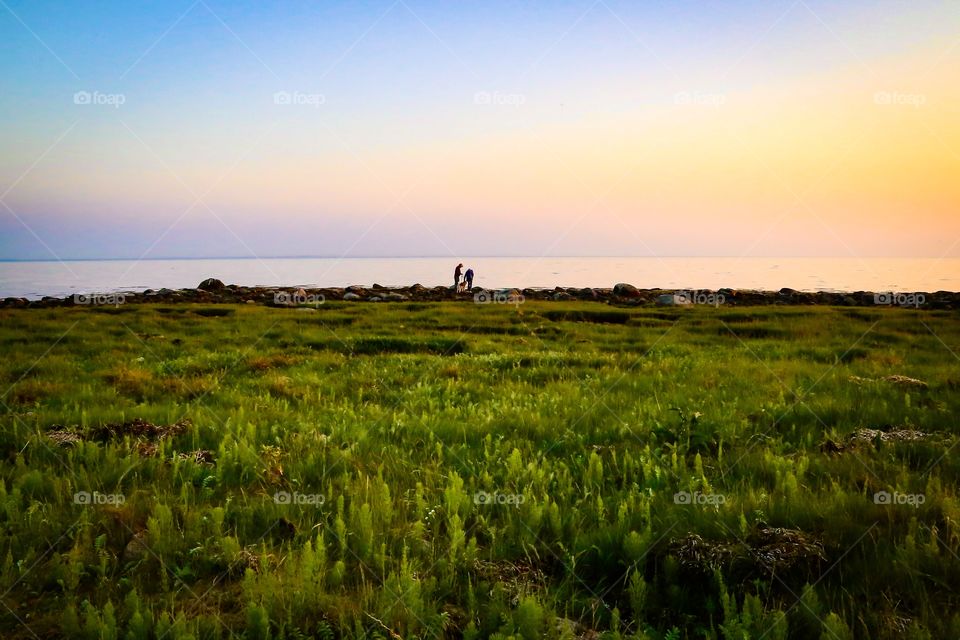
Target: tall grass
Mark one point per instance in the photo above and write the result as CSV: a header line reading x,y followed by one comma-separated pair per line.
x,y
460,470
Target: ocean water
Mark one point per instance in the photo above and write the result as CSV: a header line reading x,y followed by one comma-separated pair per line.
x,y
37,279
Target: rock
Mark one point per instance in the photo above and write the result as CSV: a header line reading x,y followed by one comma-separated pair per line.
x,y
375,299
787,291
625,290
138,428
395,297
350,295
301,294
251,302
903,381
211,284
906,381
769,549
562,295
672,299
869,436
512,296
64,438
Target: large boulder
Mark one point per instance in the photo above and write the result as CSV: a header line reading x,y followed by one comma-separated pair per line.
x,y
211,284
626,290
510,295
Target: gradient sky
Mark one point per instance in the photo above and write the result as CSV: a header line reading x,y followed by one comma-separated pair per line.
x,y
795,128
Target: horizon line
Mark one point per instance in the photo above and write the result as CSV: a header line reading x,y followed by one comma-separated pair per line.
x,y
421,257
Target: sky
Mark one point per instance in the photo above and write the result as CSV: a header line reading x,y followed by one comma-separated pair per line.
x,y
201,128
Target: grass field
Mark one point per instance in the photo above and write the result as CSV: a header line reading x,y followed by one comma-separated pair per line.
x,y
459,470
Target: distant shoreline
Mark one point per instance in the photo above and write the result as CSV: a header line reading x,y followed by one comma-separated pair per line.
x,y
37,279
212,291
484,257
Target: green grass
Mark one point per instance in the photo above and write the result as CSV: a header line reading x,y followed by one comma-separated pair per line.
x,y
580,422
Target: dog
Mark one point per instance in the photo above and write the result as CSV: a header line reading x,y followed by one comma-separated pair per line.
x,y
461,286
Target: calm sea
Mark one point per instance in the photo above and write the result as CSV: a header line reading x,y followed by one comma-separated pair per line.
x,y
37,279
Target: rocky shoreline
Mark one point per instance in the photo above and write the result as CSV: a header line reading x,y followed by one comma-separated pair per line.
x,y
212,291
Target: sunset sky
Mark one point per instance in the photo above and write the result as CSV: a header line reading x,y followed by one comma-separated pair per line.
x,y
689,128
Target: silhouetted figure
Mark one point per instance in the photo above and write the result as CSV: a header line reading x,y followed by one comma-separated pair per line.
x,y
468,276
456,275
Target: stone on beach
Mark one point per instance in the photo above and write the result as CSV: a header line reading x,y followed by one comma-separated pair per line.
x,y
626,290
211,284
673,299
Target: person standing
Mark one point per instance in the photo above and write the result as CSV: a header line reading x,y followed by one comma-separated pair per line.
x,y
456,275
468,276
